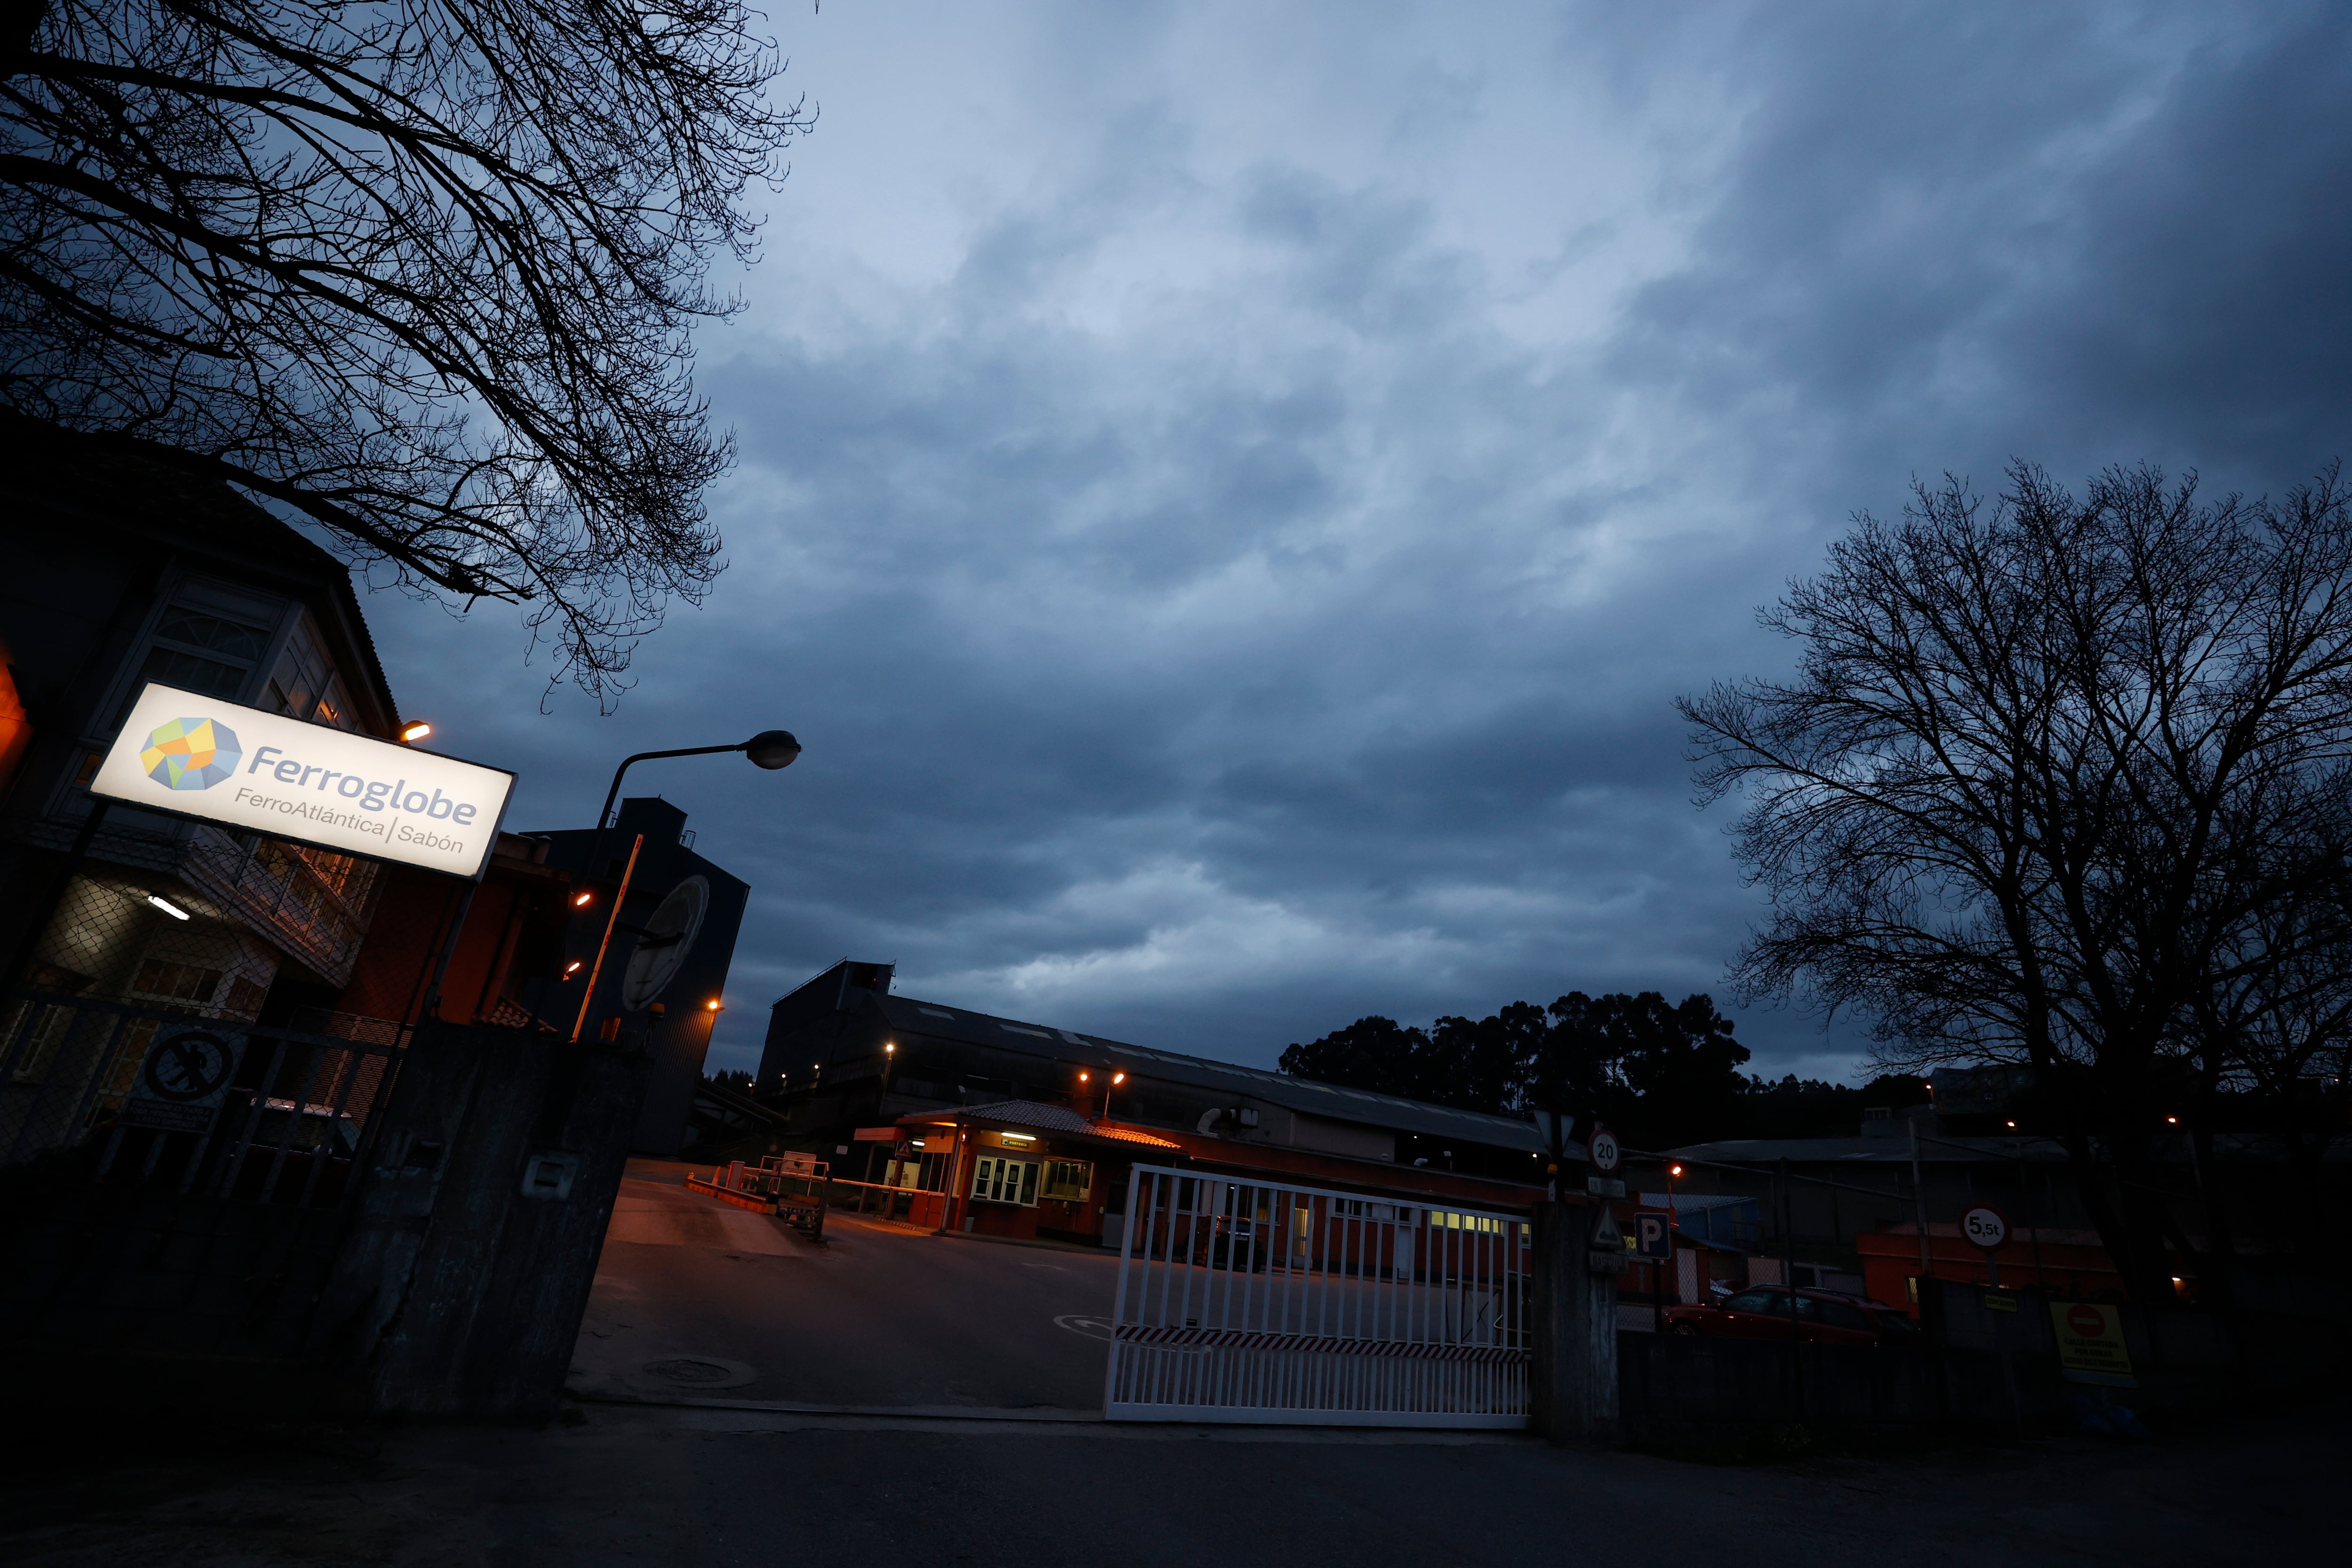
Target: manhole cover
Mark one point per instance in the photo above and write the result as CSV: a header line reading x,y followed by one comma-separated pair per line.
x,y
699,1372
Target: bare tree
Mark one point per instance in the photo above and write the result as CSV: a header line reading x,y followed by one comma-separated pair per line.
x,y
2274,1033
2048,773
421,272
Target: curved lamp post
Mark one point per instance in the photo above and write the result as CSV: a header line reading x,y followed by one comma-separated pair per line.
x,y
770,749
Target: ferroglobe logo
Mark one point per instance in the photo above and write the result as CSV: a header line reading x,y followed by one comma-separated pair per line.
x,y
339,790
190,753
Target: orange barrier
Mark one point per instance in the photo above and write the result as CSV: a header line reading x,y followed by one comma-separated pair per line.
x,y
728,1194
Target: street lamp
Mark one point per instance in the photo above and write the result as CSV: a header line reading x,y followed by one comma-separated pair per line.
x,y
769,749
1116,1079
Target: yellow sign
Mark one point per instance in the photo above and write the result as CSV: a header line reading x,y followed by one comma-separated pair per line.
x,y
2091,1343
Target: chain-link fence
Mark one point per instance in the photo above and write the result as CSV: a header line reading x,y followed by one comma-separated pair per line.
x,y
178,1018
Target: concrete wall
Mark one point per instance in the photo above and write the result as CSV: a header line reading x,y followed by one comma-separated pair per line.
x,y
444,1288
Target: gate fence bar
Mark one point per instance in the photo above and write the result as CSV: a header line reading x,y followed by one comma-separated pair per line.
x,y
291,1122
1246,1301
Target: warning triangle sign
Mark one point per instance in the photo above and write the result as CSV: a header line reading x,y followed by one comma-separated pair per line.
x,y
1606,1235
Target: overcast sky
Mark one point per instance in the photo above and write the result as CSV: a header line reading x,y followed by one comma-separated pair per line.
x,y
1229,493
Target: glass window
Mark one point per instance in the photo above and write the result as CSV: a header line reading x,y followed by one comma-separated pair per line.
x,y
173,666
1069,1180
208,639
997,1180
176,982
305,684
1843,1315
226,637
1753,1301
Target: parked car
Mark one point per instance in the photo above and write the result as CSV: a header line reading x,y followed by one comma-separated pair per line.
x,y
1823,1317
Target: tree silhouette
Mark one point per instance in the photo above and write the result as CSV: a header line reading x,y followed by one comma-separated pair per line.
x,y
419,273
2067,783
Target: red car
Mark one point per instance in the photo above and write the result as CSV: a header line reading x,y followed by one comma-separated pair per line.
x,y
1823,1318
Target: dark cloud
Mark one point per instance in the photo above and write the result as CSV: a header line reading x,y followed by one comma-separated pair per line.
x,y
1230,542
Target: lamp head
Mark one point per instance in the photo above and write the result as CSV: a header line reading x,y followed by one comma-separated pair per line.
x,y
414,730
773,749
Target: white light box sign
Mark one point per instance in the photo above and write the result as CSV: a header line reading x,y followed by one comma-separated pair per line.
x,y
264,773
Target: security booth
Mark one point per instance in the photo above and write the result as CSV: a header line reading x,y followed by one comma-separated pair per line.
x,y
1024,1170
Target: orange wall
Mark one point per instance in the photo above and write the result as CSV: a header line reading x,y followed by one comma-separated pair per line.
x,y
1890,1258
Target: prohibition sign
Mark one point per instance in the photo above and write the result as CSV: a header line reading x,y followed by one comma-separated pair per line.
x,y
188,1066
1985,1226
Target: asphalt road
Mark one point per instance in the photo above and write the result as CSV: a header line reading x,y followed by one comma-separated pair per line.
x,y
697,1299
700,1301
710,1489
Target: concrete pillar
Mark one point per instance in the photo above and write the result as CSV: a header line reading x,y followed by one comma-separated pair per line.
x,y
1574,1301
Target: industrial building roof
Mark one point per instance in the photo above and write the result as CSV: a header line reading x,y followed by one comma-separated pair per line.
x,y
1303,1094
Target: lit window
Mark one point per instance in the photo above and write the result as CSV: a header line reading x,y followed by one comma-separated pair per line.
x,y
1069,1180
305,685
997,1180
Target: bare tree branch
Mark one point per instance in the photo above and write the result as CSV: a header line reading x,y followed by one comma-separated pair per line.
x,y
2060,782
421,272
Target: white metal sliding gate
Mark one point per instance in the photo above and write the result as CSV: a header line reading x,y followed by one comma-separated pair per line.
x,y
1248,1302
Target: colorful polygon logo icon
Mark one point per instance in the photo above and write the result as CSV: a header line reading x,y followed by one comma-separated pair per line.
x,y
190,753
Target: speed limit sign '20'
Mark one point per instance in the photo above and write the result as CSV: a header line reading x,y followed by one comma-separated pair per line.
x,y
1604,1152
1985,1226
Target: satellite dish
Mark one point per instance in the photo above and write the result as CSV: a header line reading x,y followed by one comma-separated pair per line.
x,y
662,950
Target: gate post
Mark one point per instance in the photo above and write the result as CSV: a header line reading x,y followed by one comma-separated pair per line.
x,y
1574,1376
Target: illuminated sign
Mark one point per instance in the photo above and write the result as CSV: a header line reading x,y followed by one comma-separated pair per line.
x,y
264,773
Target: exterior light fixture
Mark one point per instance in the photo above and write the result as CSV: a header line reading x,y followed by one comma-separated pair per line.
x,y
2013,1125
167,906
571,968
1016,1138
1673,1170
1085,1078
771,749
415,731
1119,1078
2172,1122
888,1046
582,901
712,1005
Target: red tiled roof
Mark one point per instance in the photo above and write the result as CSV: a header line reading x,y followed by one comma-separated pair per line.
x,y
1046,1118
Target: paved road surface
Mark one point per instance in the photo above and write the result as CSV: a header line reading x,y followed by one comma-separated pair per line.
x,y
711,1489
745,1310
696,1298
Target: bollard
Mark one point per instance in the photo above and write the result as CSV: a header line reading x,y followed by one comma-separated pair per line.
x,y
1574,1301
